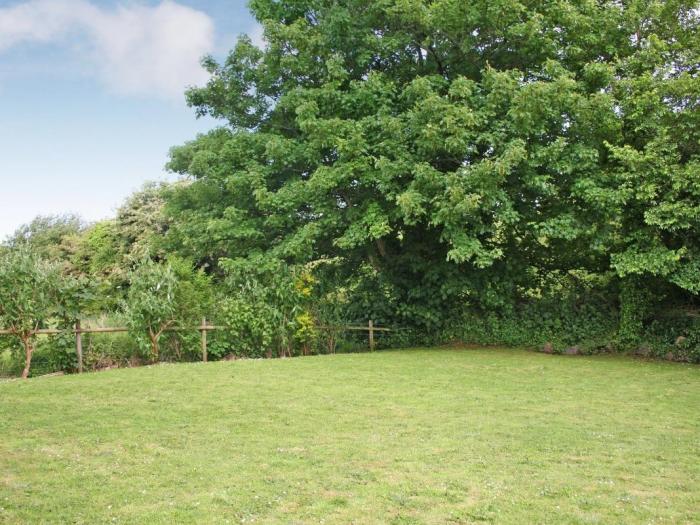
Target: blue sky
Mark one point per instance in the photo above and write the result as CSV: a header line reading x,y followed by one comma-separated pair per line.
x,y
91,96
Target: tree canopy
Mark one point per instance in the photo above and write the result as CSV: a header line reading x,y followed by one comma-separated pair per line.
x,y
458,152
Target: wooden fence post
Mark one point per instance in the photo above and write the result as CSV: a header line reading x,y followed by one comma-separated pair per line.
x,y
79,345
371,335
204,339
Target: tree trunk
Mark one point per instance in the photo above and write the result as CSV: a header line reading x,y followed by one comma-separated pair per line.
x,y
285,351
178,350
29,350
155,350
381,247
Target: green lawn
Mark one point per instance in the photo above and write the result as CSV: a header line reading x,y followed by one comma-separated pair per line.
x,y
416,436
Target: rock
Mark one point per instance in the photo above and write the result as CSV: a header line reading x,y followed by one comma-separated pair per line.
x,y
548,348
669,356
572,350
680,340
643,351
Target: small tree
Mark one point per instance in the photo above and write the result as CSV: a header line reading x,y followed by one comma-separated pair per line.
x,y
194,297
29,292
150,306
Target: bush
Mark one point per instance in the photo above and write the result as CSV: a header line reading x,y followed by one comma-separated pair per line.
x,y
111,350
161,296
673,335
33,294
265,306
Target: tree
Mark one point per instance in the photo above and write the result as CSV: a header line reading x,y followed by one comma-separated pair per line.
x,y
140,220
164,295
99,257
107,249
150,305
52,237
461,150
32,292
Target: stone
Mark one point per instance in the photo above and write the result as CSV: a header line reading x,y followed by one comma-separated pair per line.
x,y
643,351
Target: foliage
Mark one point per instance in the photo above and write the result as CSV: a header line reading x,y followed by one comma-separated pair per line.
x,y
99,249
150,306
140,221
164,295
329,308
33,292
454,154
52,237
263,310
249,321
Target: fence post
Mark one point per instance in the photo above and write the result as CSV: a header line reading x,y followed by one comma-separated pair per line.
x,y
371,335
204,339
79,345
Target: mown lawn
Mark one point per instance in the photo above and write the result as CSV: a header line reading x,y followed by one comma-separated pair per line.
x,y
416,436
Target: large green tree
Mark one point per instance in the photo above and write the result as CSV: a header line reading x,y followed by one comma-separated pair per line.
x,y
454,150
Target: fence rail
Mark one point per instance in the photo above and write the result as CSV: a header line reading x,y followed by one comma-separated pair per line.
x,y
205,327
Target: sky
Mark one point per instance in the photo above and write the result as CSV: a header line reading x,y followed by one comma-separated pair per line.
x,y
92,97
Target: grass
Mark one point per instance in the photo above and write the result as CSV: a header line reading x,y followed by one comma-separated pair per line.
x,y
417,436
5,362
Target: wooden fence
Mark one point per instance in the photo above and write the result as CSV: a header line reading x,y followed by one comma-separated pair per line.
x,y
205,327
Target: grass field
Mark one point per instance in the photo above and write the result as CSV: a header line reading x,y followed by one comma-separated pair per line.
x,y
416,436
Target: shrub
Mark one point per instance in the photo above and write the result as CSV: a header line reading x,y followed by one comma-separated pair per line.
x,y
162,296
265,306
32,293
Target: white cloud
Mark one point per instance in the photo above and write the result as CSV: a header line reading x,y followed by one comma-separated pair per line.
x,y
257,36
134,49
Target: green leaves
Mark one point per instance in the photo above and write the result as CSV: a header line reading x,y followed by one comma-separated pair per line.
x,y
264,306
164,295
449,145
150,302
655,260
34,291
